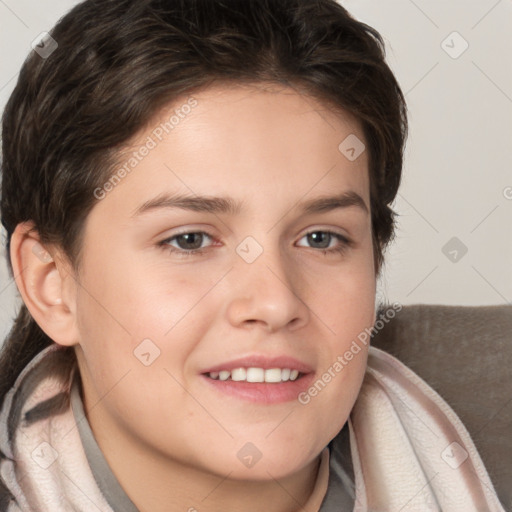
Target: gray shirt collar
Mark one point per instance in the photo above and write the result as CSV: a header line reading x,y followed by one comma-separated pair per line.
x,y
107,482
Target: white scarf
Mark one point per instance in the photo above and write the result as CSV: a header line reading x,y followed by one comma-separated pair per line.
x,y
410,451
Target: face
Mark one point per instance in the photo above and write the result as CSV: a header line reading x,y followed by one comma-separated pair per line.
x,y
174,293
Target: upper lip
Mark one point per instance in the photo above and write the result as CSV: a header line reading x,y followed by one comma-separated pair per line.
x,y
261,361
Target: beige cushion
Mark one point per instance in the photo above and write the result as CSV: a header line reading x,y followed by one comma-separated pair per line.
x,y
465,354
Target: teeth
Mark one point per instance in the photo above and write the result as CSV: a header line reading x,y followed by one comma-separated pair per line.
x,y
238,374
273,375
256,375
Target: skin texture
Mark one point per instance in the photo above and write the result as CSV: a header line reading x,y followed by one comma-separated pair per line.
x,y
170,439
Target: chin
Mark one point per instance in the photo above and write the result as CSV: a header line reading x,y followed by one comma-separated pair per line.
x,y
260,459
267,470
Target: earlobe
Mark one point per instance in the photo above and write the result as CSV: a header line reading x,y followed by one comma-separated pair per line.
x,y
44,283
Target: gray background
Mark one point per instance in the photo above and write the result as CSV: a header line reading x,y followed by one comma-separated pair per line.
x,y
458,175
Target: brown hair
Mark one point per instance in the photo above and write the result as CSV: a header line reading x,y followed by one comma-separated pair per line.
x,y
118,62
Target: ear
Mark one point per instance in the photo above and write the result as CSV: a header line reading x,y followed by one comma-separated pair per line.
x,y
46,283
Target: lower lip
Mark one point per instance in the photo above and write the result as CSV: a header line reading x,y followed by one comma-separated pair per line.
x,y
263,392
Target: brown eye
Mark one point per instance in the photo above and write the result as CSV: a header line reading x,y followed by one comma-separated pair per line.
x,y
189,241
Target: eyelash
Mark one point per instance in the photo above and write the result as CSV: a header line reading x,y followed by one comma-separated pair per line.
x,y
164,244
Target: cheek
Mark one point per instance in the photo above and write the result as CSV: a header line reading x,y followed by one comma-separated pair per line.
x,y
120,297
136,318
333,394
346,305
348,310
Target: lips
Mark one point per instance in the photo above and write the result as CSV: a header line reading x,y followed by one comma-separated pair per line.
x,y
263,393
256,378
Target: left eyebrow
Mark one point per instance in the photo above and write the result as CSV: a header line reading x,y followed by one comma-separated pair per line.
x,y
328,203
227,205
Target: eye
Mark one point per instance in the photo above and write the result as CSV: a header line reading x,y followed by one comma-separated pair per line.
x,y
324,239
188,243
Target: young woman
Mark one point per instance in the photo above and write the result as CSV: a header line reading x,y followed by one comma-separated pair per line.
x,y
197,201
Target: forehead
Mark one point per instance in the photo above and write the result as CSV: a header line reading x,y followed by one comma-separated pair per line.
x,y
243,139
235,109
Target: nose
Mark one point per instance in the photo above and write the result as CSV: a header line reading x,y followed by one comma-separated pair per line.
x,y
267,293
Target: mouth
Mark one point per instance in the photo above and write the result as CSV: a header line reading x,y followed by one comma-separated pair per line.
x,y
259,385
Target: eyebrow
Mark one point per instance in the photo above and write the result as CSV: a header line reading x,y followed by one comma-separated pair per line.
x,y
227,205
